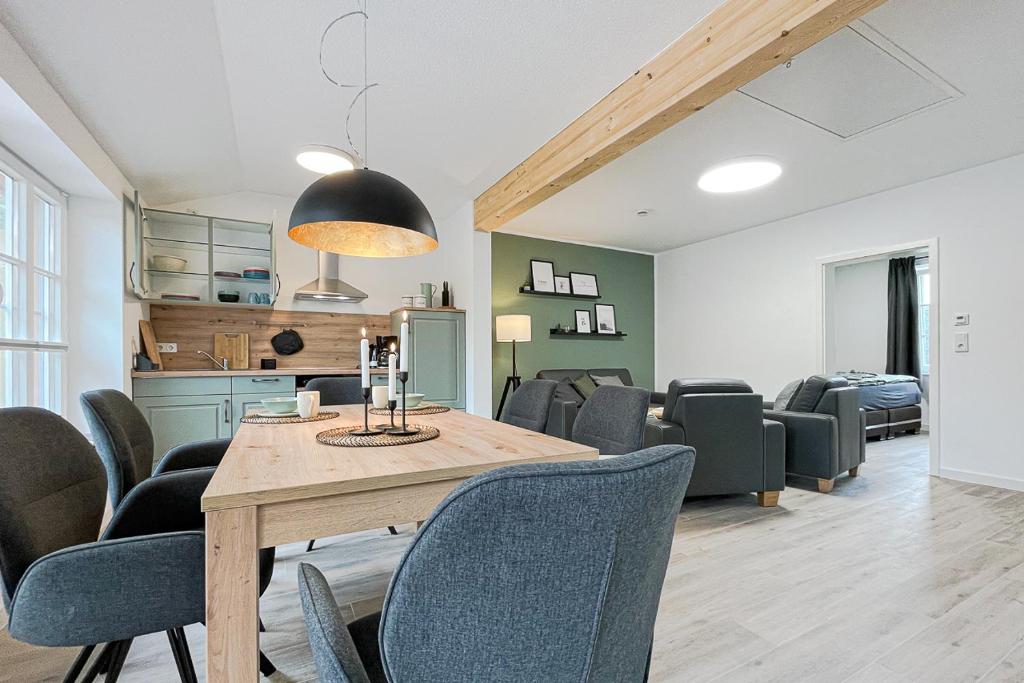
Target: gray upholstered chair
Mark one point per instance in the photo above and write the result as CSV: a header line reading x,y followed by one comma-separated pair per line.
x,y
825,429
60,585
529,405
738,451
568,399
612,420
337,391
581,549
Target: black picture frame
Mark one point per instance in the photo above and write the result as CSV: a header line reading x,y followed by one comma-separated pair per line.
x,y
563,281
548,270
584,284
605,309
590,321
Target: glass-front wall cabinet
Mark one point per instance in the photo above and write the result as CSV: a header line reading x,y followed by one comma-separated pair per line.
x,y
189,258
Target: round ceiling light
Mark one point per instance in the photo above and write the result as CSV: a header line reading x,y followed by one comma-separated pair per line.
x,y
740,175
324,160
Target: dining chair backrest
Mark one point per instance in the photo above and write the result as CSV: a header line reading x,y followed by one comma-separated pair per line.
x,y
52,489
528,408
546,572
123,439
612,420
337,391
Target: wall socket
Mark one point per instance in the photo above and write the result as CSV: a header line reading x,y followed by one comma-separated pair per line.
x,y
961,342
962,319
164,347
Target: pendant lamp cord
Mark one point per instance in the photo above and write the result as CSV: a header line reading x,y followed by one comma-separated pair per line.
x,y
366,85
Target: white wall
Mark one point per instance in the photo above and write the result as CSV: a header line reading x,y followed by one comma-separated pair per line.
x,y
94,306
746,305
859,303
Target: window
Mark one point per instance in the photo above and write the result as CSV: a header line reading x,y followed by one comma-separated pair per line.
x,y
924,299
33,346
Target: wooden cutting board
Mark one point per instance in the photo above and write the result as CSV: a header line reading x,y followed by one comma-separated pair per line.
x,y
234,346
149,343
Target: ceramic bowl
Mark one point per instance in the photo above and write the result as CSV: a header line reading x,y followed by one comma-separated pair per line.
x,y
281,404
411,400
228,297
169,263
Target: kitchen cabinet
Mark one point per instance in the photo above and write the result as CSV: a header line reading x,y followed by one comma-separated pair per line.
x,y
184,258
176,420
437,354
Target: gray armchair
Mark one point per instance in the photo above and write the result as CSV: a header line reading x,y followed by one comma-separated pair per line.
x,y
337,391
825,429
581,549
738,451
612,420
64,588
530,403
568,400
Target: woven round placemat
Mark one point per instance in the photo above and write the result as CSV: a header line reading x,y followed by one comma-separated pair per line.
x,y
431,409
268,420
342,436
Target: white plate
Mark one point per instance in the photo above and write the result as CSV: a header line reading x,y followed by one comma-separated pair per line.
x,y
267,413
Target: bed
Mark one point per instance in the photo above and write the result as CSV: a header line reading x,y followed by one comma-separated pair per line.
x,y
892,403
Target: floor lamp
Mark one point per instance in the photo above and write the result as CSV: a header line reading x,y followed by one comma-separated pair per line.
x,y
511,328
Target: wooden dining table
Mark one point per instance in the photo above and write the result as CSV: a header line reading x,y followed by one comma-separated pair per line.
x,y
277,484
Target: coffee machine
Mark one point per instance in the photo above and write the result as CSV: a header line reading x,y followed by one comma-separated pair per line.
x,y
383,345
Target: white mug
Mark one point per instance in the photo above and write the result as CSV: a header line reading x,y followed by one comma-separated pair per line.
x,y
407,301
420,301
309,403
380,396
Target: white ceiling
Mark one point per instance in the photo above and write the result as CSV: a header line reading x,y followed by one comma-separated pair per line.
x,y
196,98
975,46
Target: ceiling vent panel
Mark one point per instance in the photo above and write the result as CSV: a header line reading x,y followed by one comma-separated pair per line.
x,y
850,83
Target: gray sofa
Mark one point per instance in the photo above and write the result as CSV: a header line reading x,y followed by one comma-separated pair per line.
x,y
567,399
825,428
738,451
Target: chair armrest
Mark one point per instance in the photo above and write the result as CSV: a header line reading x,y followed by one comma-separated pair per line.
x,y
162,504
189,456
812,443
561,417
111,590
768,405
658,398
774,455
661,432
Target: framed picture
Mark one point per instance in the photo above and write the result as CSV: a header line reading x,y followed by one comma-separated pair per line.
x,y
543,273
583,322
584,284
605,314
563,285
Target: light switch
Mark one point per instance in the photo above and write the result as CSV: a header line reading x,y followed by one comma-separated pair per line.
x,y
962,319
961,342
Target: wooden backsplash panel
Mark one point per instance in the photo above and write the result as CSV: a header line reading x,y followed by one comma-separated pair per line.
x,y
331,339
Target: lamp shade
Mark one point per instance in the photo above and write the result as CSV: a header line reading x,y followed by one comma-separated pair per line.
x,y
362,213
512,328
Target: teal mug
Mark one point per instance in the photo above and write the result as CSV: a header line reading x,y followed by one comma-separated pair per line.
x,y
427,289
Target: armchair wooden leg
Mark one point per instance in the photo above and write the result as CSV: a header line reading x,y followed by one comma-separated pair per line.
x,y
854,471
768,499
825,485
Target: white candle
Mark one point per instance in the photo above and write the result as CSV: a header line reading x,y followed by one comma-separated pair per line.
x,y
364,361
404,347
392,391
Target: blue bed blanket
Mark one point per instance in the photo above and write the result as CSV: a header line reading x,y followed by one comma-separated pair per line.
x,y
878,392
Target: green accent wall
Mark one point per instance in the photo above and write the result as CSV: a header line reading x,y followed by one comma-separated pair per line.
x,y
625,279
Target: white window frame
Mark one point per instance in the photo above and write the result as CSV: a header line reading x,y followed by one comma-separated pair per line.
x,y
922,269
31,187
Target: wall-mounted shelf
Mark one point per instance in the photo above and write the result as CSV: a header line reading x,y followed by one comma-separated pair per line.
x,y
571,333
559,295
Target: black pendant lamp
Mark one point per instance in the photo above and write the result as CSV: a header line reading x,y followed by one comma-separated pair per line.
x,y
361,212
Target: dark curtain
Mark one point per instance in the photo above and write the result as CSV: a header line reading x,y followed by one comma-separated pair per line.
x,y
902,357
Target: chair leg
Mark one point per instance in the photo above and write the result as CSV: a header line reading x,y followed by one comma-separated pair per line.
x,y
182,656
80,661
854,471
101,664
825,485
768,499
263,629
117,661
310,546
267,667
393,530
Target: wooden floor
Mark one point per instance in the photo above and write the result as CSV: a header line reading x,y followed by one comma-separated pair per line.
x,y
894,576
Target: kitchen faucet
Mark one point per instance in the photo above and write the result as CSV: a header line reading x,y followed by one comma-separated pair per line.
x,y
221,364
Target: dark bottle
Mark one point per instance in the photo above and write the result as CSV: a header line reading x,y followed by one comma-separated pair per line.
x,y
446,297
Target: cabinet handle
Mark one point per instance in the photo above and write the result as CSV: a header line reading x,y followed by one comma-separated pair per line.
x,y
131,277
227,411
265,379
278,290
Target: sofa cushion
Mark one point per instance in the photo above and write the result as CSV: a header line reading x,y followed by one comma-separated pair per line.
x,y
566,392
610,380
788,394
585,386
812,391
621,373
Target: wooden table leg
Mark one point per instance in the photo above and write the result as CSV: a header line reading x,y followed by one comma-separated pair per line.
x,y
232,583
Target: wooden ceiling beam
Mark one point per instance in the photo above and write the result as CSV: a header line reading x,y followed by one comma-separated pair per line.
x,y
736,43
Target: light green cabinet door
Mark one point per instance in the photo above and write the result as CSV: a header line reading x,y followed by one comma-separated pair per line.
x,y
437,360
248,403
179,419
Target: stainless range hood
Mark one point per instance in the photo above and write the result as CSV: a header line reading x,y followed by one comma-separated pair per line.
x,y
327,286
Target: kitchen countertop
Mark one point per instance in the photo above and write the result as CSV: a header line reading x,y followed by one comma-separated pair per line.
x,y
253,372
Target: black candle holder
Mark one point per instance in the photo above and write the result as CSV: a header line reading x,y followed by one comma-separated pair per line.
x,y
403,377
367,430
